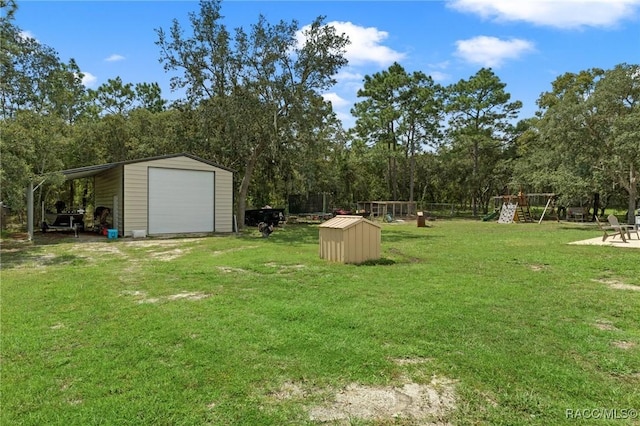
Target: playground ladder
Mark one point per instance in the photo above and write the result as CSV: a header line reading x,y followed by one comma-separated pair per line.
x,y
524,215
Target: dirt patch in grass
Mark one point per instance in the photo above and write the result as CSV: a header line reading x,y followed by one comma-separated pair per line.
x,y
417,403
162,243
141,296
167,256
42,261
11,250
188,296
284,268
290,390
621,286
231,250
166,250
601,324
229,269
622,344
134,293
618,285
411,361
106,248
537,268
421,403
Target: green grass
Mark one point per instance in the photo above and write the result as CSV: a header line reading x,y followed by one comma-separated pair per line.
x,y
92,333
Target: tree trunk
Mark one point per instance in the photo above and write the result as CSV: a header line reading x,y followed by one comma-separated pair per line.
x,y
596,206
633,194
474,200
244,186
412,167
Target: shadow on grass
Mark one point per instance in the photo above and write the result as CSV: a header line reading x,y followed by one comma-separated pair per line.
x,y
586,226
296,234
377,262
12,258
16,250
305,234
389,235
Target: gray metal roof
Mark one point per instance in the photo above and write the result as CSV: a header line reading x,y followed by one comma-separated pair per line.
x,y
82,172
88,171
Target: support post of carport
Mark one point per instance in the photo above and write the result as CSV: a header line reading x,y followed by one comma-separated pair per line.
x,y
30,191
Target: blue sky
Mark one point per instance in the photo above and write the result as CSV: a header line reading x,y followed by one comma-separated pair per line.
x,y
527,43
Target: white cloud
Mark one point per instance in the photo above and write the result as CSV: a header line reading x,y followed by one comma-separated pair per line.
x,y
439,76
89,80
567,14
115,58
348,75
491,51
365,45
365,50
344,95
25,35
348,121
437,71
336,100
440,65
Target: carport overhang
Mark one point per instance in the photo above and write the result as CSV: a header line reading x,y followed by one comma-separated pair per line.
x,y
70,174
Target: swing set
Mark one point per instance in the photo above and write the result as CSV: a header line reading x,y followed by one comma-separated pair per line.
x,y
517,208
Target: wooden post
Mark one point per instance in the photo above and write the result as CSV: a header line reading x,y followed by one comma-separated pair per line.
x,y
544,211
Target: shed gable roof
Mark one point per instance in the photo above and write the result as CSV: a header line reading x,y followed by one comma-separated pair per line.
x,y
345,222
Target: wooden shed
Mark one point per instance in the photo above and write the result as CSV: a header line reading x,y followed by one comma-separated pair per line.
x,y
171,194
349,239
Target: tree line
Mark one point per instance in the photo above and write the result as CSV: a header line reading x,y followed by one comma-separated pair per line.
x,y
253,103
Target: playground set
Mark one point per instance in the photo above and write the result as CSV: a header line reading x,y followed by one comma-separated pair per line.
x,y
517,208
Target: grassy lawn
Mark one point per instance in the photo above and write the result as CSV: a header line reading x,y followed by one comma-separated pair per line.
x,y
496,324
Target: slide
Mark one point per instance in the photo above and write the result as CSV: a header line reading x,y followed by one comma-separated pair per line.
x,y
491,216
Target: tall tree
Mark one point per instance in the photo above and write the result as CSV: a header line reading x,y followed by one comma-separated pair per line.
x,y
40,97
257,88
32,144
114,97
588,125
617,102
33,76
401,112
480,124
149,97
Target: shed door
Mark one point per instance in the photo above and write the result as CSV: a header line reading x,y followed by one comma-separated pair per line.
x,y
180,201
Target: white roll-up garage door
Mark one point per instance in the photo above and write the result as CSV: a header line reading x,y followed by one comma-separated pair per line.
x,y
180,201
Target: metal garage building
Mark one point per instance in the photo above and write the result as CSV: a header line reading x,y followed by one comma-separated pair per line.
x,y
171,194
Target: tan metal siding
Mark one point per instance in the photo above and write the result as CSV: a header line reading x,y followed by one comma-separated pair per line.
x,y
107,185
136,197
332,245
349,239
357,251
136,192
224,201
